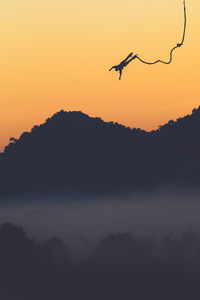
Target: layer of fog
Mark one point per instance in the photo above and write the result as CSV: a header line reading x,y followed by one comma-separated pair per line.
x,y
82,223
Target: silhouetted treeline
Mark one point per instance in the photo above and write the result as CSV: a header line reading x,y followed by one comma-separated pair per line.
x,y
120,266
72,153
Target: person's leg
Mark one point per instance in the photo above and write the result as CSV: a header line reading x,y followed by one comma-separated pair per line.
x,y
128,57
131,59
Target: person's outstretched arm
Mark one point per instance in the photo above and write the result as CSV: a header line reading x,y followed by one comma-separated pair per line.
x,y
112,68
120,74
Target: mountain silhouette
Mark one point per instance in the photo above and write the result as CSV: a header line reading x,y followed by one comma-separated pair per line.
x,y
73,153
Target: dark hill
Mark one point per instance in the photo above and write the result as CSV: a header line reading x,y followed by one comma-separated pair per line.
x,y
74,153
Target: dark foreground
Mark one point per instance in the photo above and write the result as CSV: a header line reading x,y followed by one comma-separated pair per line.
x,y
121,266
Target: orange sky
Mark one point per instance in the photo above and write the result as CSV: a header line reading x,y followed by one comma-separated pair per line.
x,y
55,54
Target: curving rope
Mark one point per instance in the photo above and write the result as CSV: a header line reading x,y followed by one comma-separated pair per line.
x,y
171,53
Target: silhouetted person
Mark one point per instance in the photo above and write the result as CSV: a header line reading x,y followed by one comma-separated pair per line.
x,y
123,64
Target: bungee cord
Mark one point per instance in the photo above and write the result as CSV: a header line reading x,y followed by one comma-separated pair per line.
x,y
130,57
171,52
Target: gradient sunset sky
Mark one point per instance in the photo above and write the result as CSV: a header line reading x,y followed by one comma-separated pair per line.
x,y
55,54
